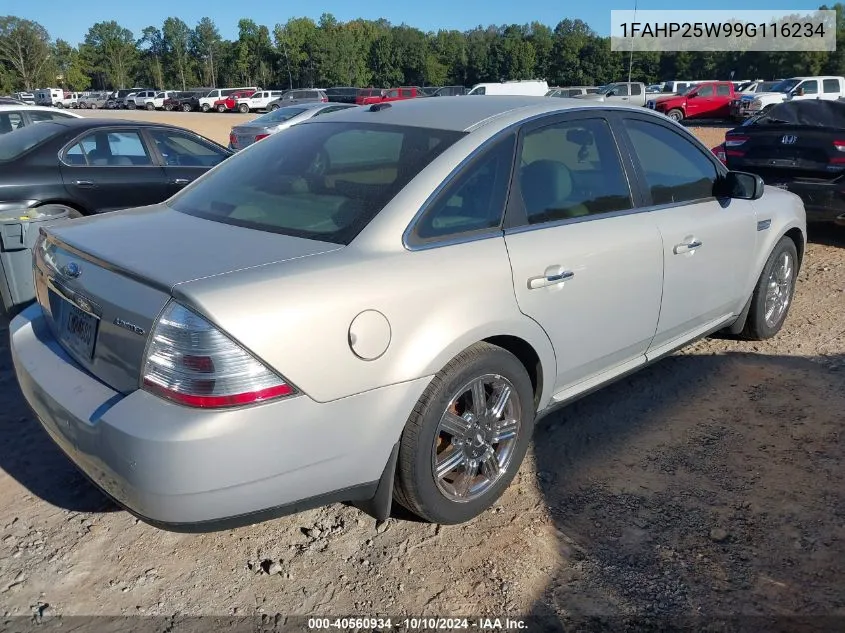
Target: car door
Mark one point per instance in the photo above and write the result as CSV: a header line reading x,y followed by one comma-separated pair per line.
x,y
11,120
185,156
112,168
708,243
808,89
701,104
831,89
587,264
722,101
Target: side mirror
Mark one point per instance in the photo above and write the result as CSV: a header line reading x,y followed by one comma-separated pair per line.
x,y
740,185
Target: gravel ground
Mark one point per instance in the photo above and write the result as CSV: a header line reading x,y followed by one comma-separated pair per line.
x,y
709,484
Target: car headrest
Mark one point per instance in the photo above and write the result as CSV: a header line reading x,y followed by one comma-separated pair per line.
x,y
545,184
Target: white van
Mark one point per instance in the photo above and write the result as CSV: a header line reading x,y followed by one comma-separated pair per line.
x,y
207,102
525,87
48,96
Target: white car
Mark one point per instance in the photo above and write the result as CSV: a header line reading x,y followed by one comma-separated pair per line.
x,y
376,304
68,100
151,100
259,100
14,117
828,88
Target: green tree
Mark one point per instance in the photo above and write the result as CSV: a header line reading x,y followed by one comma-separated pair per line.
x,y
111,49
70,65
177,42
205,45
153,50
25,47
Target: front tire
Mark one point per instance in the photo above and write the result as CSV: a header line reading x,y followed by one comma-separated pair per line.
x,y
675,114
466,437
243,108
206,107
773,293
150,106
274,107
186,107
221,108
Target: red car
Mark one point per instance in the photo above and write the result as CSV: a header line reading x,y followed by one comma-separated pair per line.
x,y
231,102
710,100
394,94
369,93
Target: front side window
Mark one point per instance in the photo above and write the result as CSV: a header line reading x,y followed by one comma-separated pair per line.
x,y
110,149
475,199
340,176
183,150
809,87
705,91
675,169
571,169
723,90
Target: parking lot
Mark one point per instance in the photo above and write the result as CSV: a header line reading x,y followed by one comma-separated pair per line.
x,y
708,484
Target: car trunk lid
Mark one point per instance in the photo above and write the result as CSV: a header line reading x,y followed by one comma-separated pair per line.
x,y
102,282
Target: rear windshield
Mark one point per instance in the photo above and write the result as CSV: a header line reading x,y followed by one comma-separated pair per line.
x,y
14,145
279,115
338,179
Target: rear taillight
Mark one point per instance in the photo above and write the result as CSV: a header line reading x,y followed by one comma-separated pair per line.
x,y
233,140
258,137
191,362
324,99
719,152
735,141
839,146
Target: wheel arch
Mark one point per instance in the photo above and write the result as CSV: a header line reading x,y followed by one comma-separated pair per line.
x,y
65,203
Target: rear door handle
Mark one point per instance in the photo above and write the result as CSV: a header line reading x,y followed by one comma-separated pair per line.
x,y
553,275
181,181
686,247
83,183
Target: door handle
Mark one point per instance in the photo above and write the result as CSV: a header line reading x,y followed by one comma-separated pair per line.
x,y
553,275
686,247
181,181
83,183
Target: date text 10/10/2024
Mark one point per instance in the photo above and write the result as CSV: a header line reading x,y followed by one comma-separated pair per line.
x,y
417,624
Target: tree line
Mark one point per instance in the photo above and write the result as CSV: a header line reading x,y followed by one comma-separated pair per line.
x,y
327,52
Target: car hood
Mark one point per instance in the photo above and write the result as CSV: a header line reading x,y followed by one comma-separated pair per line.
x,y
663,98
168,248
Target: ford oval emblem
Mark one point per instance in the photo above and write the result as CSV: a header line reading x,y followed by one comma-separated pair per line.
x,y
72,270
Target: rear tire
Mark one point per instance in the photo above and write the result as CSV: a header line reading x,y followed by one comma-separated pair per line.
x,y
186,107
221,108
456,457
150,106
675,114
773,293
273,107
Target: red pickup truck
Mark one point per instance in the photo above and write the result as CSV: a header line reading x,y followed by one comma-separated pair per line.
x,y
231,102
394,94
709,100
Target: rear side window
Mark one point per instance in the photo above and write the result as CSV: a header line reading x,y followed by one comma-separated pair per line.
x,y
831,85
340,176
723,90
109,149
10,121
636,89
675,169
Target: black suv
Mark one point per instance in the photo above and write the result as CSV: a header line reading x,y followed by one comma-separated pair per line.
x,y
187,101
341,94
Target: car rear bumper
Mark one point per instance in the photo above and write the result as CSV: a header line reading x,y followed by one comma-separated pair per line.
x,y
823,202
193,470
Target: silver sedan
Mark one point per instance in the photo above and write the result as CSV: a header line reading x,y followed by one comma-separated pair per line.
x,y
277,120
383,313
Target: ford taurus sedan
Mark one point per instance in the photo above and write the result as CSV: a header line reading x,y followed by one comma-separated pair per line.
x,y
382,314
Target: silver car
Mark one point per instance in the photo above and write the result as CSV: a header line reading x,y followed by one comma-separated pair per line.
x,y
277,120
298,97
383,313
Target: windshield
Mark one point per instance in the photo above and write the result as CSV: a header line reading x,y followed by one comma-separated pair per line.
x,y
339,178
785,86
685,90
15,145
279,116
214,93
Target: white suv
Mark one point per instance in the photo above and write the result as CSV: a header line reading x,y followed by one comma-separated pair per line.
x,y
259,101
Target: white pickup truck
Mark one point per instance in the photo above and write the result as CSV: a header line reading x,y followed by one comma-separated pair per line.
x,y
151,100
259,100
797,88
633,93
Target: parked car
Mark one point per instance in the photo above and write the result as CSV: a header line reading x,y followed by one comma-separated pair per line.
x,y
797,89
234,101
97,165
740,106
367,93
10,101
394,94
187,101
798,146
94,101
153,100
298,97
342,94
631,93
48,96
207,102
15,117
708,100
68,100
26,97
277,120
180,374
259,100
526,87
571,91
126,96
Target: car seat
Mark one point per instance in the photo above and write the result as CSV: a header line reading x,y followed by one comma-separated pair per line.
x,y
546,190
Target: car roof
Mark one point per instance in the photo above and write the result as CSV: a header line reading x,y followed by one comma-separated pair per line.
x,y
14,106
83,122
462,113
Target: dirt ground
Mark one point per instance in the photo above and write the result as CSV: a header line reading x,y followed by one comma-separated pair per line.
x,y
708,485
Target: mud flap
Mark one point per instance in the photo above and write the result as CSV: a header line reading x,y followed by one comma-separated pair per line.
x,y
380,505
739,324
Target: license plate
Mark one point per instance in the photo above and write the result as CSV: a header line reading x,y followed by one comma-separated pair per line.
x,y
79,330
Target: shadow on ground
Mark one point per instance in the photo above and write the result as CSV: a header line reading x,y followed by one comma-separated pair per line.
x,y
29,455
702,487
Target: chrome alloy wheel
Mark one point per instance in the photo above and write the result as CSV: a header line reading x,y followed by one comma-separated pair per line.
x,y
779,290
476,437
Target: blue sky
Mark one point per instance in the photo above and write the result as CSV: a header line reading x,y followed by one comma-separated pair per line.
x,y
70,20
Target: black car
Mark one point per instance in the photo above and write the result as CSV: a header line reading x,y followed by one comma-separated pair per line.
x,y
98,165
341,94
798,146
187,101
